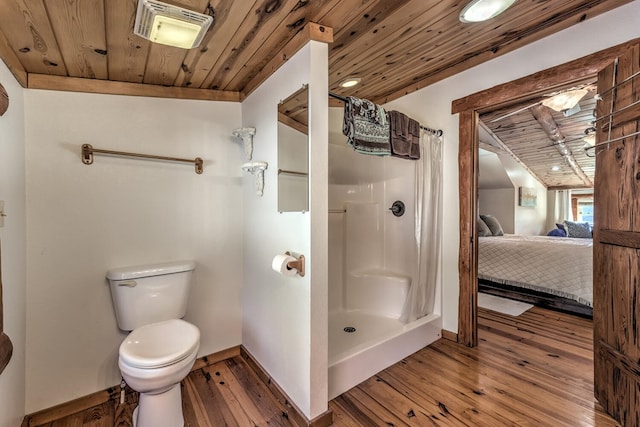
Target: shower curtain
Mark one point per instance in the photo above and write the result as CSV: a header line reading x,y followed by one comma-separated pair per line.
x,y
428,229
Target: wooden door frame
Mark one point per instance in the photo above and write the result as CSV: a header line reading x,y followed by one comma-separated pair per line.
x,y
469,109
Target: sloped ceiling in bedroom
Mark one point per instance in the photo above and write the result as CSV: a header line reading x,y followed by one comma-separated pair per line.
x,y
551,147
491,173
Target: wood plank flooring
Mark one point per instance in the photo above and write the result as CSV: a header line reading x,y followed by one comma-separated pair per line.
x,y
531,370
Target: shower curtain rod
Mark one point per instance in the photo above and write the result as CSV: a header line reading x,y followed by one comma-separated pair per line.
x,y
436,132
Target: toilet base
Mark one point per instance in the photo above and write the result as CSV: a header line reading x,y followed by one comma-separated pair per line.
x,y
160,410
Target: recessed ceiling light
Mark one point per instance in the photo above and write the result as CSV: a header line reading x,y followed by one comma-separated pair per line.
x,y
555,168
483,10
170,25
349,82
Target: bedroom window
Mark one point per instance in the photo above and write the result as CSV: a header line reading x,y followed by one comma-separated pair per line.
x,y
585,211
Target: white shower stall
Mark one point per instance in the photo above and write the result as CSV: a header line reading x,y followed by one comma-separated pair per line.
x,y
372,259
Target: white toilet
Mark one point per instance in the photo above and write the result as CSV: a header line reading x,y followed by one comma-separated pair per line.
x,y
149,301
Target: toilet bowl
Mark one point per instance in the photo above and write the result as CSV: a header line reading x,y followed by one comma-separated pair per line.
x,y
149,301
153,360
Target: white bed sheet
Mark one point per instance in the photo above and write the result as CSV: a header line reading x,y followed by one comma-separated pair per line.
x,y
560,266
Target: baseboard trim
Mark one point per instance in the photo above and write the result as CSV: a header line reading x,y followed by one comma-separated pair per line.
x,y
448,335
295,415
80,404
62,410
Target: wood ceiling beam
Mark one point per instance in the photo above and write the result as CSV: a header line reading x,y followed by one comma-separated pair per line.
x,y
543,115
567,187
488,147
543,81
311,31
74,84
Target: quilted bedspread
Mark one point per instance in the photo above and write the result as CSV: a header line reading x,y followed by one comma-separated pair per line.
x,y
557,265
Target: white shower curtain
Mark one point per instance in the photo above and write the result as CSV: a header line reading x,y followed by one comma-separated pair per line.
x,y
428,229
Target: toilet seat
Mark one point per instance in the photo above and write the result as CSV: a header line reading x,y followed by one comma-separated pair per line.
x,y
160,344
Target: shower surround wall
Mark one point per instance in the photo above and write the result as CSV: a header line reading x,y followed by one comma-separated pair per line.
x,y
371,258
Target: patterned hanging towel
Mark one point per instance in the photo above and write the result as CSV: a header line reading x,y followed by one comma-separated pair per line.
x,y
366,127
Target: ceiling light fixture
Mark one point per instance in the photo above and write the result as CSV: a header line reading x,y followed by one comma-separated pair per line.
x,y
483,10
555,168
349,82
565,100
170,25
590,136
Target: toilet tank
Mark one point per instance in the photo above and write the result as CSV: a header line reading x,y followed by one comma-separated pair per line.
x,y
150,293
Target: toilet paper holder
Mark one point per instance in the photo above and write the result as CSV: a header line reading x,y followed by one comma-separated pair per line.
x,y
298,264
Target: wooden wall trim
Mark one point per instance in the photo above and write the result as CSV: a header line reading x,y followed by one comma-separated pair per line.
x,y
619,238
449,335
74,84
546,80
468,252
6,347
311,31
296,416
620,360
62,410
11,60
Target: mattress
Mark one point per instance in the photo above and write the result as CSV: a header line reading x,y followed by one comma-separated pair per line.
x,y
561,266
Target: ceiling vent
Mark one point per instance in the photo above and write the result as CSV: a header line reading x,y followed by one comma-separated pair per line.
x,y
170,25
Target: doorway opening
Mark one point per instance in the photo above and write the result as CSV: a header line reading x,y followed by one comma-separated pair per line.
x,y
469,109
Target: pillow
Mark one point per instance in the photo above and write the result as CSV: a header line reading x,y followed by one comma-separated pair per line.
x,y
493,224
483,229
561,227
557,232
578,229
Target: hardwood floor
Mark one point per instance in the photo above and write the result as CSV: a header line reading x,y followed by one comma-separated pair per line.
x,y
531,370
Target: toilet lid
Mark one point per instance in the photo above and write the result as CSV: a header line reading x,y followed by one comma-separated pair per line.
x,y
160,344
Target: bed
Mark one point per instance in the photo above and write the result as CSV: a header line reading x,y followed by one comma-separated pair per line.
x,y
555,272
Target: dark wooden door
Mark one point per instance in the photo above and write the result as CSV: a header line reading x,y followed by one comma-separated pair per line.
x,y
616,244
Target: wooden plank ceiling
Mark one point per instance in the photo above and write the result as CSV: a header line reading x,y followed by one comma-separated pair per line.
x,y
395,47
559,160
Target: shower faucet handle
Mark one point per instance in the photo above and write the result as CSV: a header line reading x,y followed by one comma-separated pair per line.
x,y
397,208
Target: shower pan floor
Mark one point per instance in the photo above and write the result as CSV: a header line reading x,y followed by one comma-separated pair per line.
x,y
369,330
377,343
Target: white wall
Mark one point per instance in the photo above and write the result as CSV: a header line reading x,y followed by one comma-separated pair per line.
x,y
527,221
285,318
13,239
503,202
84,220
432,107
499,203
